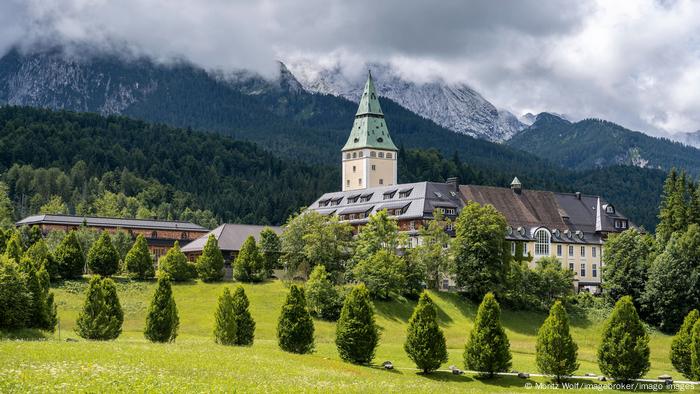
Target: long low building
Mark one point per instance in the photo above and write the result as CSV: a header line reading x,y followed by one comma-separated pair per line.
x,y
160,234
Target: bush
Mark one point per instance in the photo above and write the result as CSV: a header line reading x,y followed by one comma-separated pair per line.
x,y
322,296
101,317
138,261
488,348
40,255
356,334
425,342
69,257
383,274
210,264
13,247
248,266
556,350
624,350
225,328
15,299
103,259
245,325
174,265
695,351
680,346
162,321
295,328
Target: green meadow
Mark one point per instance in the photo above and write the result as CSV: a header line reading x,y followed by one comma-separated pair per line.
x,y
34,362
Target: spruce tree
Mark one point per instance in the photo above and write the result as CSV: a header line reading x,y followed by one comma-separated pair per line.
x,y
210,264
174,265
15,298
101,317
248,264
13,247
322,296
69,257
225,329
295,328
681,344
42,313
245,325
695,351
162,321
357,334
556,350
40,255
425,341
488,348
138,261
624,350
103,259
270,249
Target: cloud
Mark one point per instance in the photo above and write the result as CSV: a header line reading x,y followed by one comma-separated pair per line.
x,y
636,63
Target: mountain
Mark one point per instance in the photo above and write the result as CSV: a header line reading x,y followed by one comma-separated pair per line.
x,y
454,106
594,143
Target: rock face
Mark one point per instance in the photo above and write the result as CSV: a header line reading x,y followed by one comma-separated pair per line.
x,y
457,107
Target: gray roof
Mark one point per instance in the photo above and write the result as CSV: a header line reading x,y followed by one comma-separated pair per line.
x,y
229,236
420,203
94,221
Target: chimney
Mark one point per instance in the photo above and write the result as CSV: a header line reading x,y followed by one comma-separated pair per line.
x,y
454,181
516,186
578,195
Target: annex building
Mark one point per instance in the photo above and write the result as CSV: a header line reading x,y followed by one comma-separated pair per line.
x,y
569,226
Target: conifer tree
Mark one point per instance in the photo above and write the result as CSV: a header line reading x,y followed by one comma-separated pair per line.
x,y
174,265
248,264
15,299
42,313
69,257
488,348
322,296
13,247
624,350
225,328
295,328
162,321
40,255
270,249
556,349
101,317
245,325
425,341
681,344
357,334
103,259
210,264
138,261
695,351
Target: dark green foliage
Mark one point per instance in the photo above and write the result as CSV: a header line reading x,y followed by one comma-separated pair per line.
x,y
29,235
673,287
101,317
248,266
40,255
626,265
103,259
15,298
13,247
174,265
425,341
556,349
225,327
42,312
695,351
383,273
322,296
245,325
673,209
270,249
69,257
138,261
295,328
162,320
623,353
357,334
551,282
210,264
480,250
430,256
681,345
414,278
488,349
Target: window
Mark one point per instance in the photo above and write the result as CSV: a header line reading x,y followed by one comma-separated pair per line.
x,y
372,154
154,234
353,199
571,267
524,249
405,193
412,225
450,211
183,235
347,182
445,283
559,250
609,209
389,195
361,154
594,251
571,251
624,223
583,269
388,155
359,181
542,240
594,271
381,155
449,227
440,210
512,248
381,181
354,169
336,201
583,251
354,155
352,216
374,167
347,155
366,197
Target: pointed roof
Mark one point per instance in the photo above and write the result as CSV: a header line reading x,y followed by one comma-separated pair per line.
x,y
598,216
369,129
516,182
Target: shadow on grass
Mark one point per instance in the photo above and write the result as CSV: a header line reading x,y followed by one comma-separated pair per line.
x,y
24,334
395,310
444,376
465,307
505,381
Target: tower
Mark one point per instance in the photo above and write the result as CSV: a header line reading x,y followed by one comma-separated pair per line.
x,y
369,156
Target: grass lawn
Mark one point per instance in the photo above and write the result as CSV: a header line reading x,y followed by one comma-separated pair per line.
x,y
194,363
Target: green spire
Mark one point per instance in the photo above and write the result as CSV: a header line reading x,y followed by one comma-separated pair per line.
x,y
369,129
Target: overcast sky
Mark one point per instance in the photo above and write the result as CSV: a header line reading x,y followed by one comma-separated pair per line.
x,y
633,62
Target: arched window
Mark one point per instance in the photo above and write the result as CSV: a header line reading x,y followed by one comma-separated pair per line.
x,y
381,155
542,241
347,155
388,155
372,154
154,234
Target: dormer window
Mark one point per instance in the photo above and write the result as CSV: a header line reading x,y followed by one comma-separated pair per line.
x,y
366,197
610,209
388,155
324,203
336,201
372,154
389,195
621,224
405,193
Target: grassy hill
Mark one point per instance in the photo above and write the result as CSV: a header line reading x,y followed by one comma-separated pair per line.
x,y
195,363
